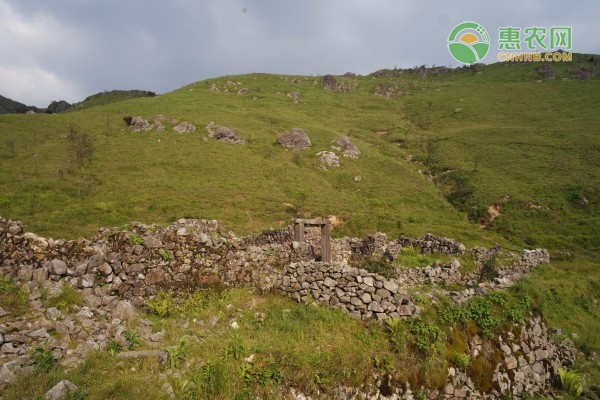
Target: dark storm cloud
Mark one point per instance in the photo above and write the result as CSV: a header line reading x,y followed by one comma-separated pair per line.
x,y
72,48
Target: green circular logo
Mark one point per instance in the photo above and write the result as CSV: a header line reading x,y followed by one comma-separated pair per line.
x,y
468,42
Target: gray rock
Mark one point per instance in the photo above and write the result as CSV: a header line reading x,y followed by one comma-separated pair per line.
x,y
328,158
330,282
124,310
168,390
152,243
224,134
54,313
57,267
184,127
61,390
139,124
391,286
25,273
40,275
330,83
105,269
350,149
295,139
6,375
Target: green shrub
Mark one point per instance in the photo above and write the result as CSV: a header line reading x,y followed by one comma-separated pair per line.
x,y
426,335
178,353
166,303
136,240
235,349
570,382
488,271
380,265
114,347
133,339
43,358
460,360
394,327
211,379
165,255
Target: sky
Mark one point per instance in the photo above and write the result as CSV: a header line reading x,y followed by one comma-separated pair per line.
x,y
70,49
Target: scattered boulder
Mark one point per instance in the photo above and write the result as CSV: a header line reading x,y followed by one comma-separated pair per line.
x,y
57,107
330,83
138,124
295,96
124,310
583,73
351,151
546,73
6,375
57,267
184,127
295,139
328,158
224,134
243,91
61,390
214,88
349,74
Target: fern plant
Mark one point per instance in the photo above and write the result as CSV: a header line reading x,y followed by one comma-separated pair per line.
x,y
570,382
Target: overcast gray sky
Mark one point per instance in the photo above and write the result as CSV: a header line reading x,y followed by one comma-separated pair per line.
x,y
69,49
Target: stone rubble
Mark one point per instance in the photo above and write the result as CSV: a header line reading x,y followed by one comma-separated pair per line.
x,y
117,269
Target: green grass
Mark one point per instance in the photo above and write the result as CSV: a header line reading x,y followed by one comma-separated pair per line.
x,y
494,137
104,98
13,298
66,299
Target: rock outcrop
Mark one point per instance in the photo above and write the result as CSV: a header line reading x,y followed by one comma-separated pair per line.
x,y
328,159
139,124
350,149
295,139
224,134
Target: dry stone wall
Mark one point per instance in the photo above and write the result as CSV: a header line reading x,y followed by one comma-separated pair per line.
x,y
364,295
118,268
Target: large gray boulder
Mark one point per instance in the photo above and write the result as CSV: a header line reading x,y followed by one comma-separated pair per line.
x,y
139,124
350,149
184,127
224,134
61,390
330,83
124,310
295,139
56,267
328,159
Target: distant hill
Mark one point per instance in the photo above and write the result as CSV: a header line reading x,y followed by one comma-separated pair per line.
x,y
8,106
103,98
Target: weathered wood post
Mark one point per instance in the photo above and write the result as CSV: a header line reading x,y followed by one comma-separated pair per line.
x,y
299,225
299,230
326,243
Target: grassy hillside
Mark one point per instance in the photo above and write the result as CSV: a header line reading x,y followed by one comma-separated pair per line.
x,y
435,156
499,133
114,96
